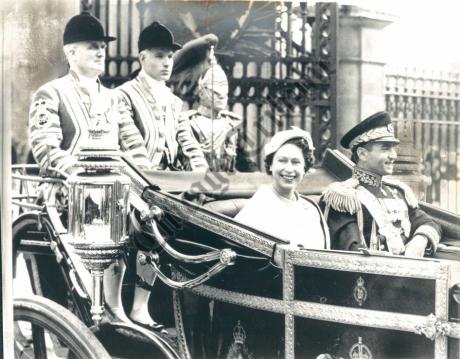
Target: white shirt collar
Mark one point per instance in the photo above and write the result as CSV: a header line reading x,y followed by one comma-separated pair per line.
x,y
154,84
160,91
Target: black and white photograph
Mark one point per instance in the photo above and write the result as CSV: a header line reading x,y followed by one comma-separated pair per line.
x,y
230,179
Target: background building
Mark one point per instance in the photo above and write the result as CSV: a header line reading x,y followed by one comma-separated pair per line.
x,y
320,66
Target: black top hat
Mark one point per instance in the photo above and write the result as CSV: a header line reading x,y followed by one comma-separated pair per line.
x,y
375,128
84,27
157,35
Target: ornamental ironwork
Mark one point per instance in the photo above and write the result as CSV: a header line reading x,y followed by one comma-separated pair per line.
x,y
429,103
280,59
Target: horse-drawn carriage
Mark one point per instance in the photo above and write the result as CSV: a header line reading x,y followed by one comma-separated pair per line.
x,y
225,289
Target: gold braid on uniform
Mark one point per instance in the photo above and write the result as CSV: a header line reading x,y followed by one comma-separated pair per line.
x,y
342,197
189,145
409,195
426,230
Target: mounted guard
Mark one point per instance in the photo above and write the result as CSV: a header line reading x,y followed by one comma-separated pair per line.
x,y
214,127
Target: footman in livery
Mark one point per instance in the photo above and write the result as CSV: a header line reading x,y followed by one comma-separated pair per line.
x,y
64,111
155,109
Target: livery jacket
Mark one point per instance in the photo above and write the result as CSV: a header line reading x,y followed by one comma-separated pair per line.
x,y
167,134
61,113
217,138
366,212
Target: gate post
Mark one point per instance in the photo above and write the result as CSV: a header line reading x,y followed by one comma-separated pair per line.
x,y
361,84
360,74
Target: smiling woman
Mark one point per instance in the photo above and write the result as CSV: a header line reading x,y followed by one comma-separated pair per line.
x,y
278,209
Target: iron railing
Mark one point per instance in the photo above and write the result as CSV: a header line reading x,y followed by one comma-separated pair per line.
x,y
293,84
430,100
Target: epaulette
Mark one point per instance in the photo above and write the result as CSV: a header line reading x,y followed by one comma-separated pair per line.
x,y
409,195
341,196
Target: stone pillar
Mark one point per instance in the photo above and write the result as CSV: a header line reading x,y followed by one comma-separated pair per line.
x,y
360,75
408,164
33,36
361,83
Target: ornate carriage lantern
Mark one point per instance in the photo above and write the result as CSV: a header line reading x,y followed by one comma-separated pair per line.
x,y
98,202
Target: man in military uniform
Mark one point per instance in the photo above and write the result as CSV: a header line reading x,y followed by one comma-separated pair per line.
x,y
155,109
213,126
63,111
373,212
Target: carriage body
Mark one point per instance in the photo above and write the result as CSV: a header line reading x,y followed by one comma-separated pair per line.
x,y
271,301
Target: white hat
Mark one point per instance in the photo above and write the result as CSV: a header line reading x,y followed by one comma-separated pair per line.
x,y
280,138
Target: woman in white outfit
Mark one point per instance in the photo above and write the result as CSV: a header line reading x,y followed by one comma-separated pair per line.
x,y
278,209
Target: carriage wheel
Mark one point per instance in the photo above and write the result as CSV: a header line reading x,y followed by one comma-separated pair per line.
x,y
44,329
47,272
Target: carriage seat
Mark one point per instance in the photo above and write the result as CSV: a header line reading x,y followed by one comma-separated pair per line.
x,y
313,197
231,207
228,207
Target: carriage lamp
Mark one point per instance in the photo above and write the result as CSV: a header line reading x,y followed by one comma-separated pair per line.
x,y
98,202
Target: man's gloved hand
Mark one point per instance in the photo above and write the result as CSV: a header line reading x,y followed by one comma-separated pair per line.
x,y
416,246
393,240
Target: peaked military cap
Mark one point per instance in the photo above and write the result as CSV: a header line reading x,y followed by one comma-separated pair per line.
x,y
375,128
157,35
84,27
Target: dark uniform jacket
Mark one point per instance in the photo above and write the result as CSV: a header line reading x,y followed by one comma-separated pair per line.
x,y
363,212
366,212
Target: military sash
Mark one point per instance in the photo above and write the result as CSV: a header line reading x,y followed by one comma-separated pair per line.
x,y
385,227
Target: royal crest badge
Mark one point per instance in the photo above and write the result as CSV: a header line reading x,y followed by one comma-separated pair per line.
x,y
360,292
360,350
41,115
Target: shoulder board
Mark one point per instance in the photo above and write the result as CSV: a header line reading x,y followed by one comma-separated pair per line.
x,y
232,115
341,196
409,195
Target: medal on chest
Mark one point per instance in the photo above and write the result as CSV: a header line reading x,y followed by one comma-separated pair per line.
x,y
396,212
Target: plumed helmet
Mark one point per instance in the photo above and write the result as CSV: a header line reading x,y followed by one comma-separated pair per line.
x,y
84,27
215,79
192,62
